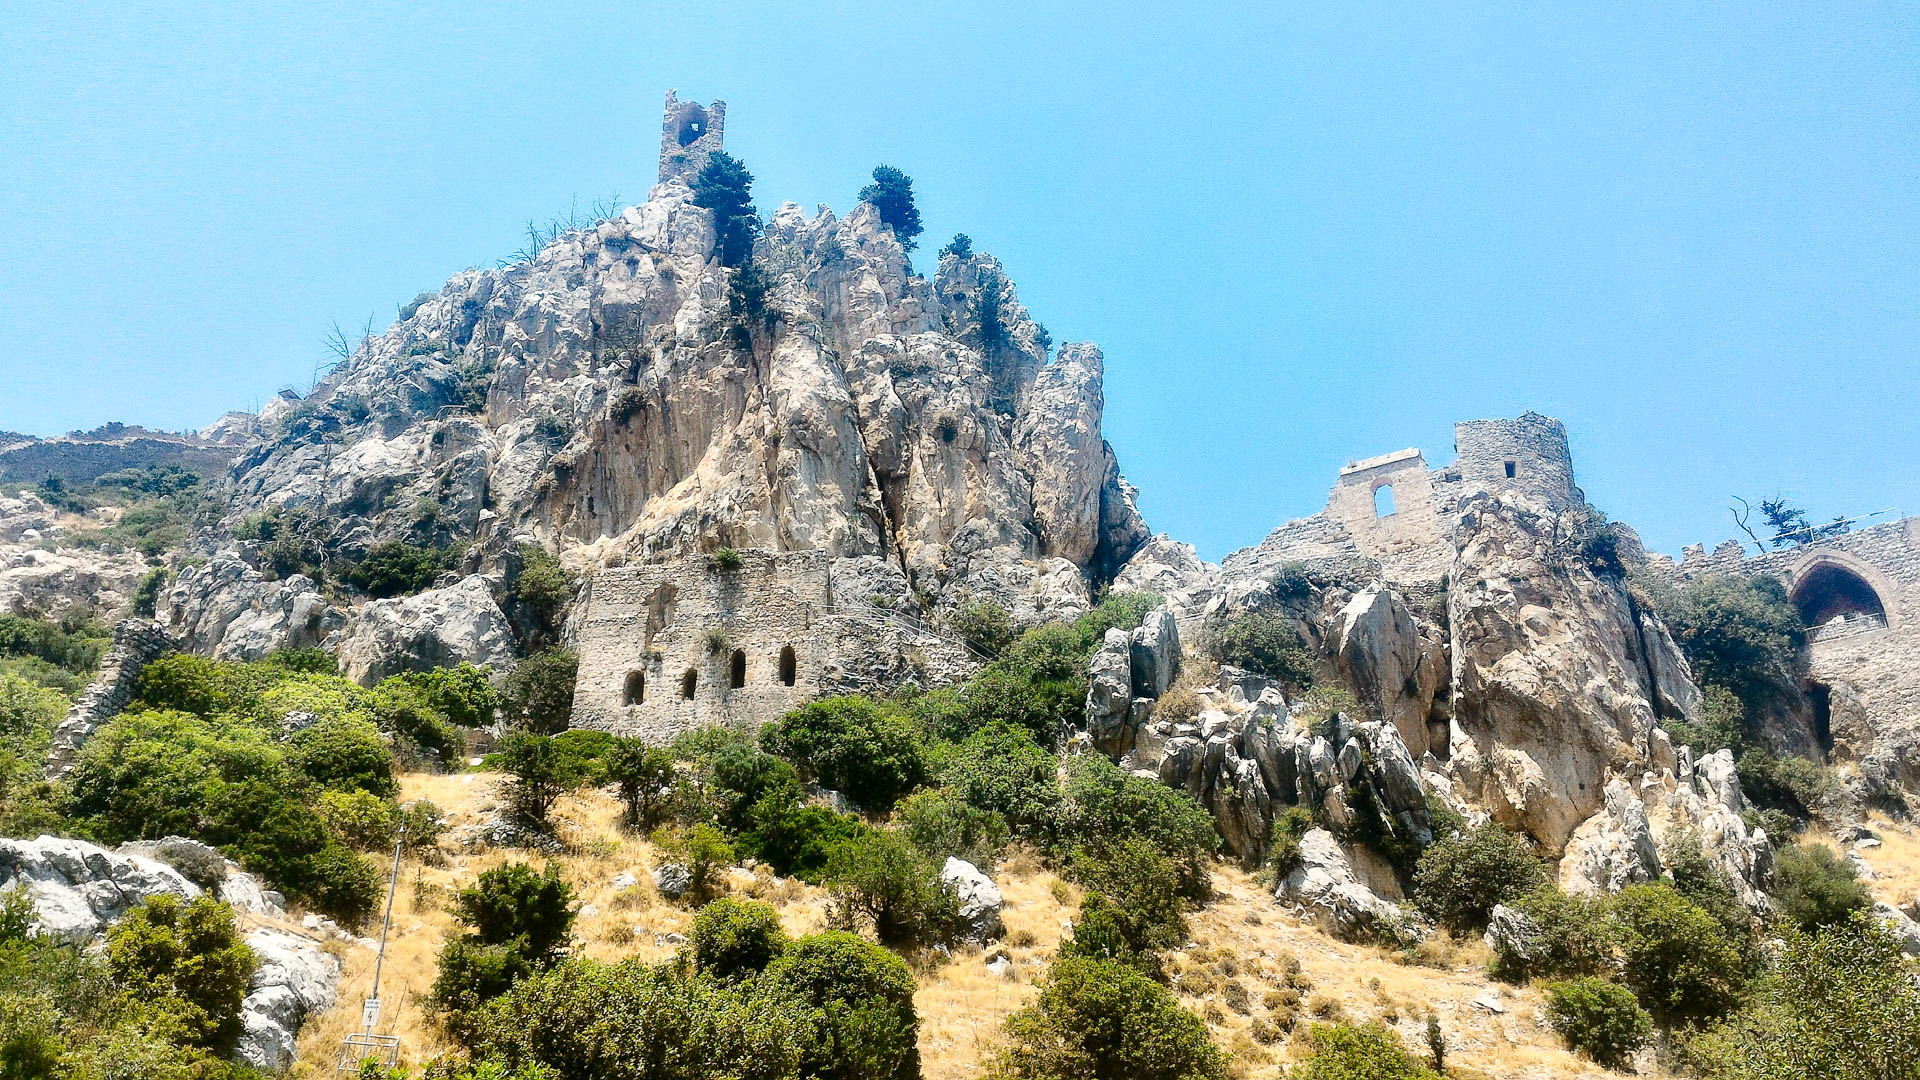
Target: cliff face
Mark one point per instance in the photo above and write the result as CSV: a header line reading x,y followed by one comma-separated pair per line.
x,y
601,396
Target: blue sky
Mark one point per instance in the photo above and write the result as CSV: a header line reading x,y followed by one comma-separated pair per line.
x,y
1301,235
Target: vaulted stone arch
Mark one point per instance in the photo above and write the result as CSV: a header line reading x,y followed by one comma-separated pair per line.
x,y
1828,584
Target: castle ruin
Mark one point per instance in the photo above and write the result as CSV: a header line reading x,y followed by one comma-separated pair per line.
x,y
689,134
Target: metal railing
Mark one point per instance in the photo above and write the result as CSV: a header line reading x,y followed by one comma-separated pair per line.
x,y
1846,626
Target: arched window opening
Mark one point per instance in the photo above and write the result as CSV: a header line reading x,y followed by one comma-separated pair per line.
x,y
1383,501
1513,469
1828,592
689,683
693,124
737,670
635,692
789,665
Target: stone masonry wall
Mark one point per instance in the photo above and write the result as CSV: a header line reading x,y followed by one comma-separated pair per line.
x,y
136,643
689,134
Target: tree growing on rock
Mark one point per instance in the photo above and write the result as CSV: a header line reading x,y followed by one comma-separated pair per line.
x,y
725,187
891,193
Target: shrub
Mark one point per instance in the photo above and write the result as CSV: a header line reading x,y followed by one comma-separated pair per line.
x,y
941,822
539,774
1721,726
1840,1004
1001,769
1458,881
516,921
734,939
1790,784
1043,707
398,569
797,841
644,775
891,194
725,560
1357,1052
72,645
1677,960
884,882
853,744
1576,937
1283,843
589,1021
984,625
1695,877
188,954
358,819
1133,909
1117,611
1740,633
542,590
540,689
345,755
1104,805
1264,644
1101,1018
1814,887
1598,1018
859,999
742,776
960,247
703,850
146,595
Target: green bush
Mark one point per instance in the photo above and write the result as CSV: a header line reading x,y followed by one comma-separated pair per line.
x,y
1101,1018
359,820
853,744
539,774
1738,632
886,883
1459,880
1001,769
73,645
398,569
984,625
345,755
741,777
1283,842
1694,876
859,1001
146,595
1813,886
1838,1004
794,840
1133,909
960,247
540,689
188,954
515,922
542,589
1576,937
725,187
589,1021
1598,1018
941,822
703,850
1356,1052
891,194
1103,805
1793,785
1677,960
735,939
644,775
1721,724
1264,644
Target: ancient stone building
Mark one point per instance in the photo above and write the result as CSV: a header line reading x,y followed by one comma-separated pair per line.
x,y
689,133
1393,511
1859,596
672,646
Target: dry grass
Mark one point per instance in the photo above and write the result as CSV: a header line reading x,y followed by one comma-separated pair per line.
x,y
1895,863
1254,971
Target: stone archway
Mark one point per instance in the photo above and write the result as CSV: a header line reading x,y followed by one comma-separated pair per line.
x,y
1831,585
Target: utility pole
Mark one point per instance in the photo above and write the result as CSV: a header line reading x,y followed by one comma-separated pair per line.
x,y
365,1044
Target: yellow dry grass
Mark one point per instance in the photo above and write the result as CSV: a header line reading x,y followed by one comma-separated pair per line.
x,y
1242,936
1895,862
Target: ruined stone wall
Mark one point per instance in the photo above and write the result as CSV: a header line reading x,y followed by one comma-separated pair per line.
x,y
136,643
673,646
678,626
689,133
1528,453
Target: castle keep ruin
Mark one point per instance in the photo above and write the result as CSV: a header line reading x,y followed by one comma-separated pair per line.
x,y
690,133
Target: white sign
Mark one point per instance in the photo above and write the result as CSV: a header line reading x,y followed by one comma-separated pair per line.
x,y
370,1015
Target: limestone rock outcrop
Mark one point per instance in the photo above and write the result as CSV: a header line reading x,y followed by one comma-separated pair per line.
x,y
1325,884
295,979
1553,687
442,627
227,609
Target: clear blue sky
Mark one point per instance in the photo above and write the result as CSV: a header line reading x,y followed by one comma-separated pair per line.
x,y
1301,236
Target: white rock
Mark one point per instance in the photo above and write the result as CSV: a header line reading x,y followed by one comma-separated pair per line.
x,y
980,900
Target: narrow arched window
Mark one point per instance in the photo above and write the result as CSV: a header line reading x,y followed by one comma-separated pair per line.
x,y
789,666
688,683
1383,501
636,689
737,670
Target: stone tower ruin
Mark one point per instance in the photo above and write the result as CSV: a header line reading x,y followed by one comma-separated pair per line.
x,y
689,133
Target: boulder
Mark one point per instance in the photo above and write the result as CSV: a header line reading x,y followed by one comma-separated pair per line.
x,y
78,889
1325,884
228,610
1154,648
1378,648
672,880
297,978
1109,693
1903,927
979,898
459,623
1514,937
